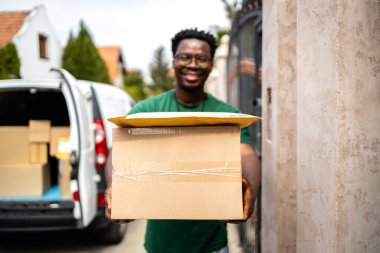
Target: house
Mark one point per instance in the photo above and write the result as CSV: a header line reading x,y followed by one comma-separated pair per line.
x,y
113,57
34,37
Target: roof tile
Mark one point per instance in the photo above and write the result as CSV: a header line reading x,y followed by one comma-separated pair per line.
x,y
10,24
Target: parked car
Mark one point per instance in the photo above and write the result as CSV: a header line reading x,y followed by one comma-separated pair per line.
x,y
80,107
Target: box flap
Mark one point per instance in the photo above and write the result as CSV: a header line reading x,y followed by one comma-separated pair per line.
x,y
150,119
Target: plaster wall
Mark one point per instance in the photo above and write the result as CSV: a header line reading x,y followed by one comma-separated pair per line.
x,y
27,44
269,238
279,126
338,126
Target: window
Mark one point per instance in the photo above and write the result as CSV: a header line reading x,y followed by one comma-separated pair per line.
x,y
42,40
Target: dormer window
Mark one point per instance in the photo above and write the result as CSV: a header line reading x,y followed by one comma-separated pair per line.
x,y
42,41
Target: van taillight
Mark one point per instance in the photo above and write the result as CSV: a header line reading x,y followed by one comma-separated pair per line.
x,y
101,200
76,196
101,151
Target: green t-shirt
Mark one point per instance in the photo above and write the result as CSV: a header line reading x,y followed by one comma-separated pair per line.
x,y
185,236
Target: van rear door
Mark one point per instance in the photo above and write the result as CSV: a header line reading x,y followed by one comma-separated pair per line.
x,y
82,159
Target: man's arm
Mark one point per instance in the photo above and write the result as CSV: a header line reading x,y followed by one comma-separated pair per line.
x,y
251,167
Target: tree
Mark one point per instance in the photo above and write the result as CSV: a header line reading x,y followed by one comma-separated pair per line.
x,y
67,57
82,59
230,8
9,62
134,85
159,71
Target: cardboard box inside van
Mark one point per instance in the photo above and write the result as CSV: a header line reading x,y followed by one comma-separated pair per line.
x,y
14,148
19,180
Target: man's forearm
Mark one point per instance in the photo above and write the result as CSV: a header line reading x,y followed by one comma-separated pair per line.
x,y
251,167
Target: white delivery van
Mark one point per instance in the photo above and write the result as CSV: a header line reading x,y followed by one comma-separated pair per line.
x,y
75,157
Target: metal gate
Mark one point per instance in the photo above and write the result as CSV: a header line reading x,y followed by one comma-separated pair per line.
x,y
244,91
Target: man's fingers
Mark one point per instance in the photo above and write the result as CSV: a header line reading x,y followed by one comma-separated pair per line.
x,y
247,200
108,199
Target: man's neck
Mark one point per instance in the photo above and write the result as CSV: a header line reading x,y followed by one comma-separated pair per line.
x,y
189,99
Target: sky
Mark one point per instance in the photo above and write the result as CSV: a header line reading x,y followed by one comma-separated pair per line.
x,y
138,26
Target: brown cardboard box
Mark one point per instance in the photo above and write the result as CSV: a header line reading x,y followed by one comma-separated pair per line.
x,y
38,152
64,177
14,148
24,180
39,131
55,134
177,173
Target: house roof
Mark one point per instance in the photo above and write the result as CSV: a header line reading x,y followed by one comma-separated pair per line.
x,y
10,24
112,56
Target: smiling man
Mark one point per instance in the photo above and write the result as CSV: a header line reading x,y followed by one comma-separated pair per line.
x,y
193,54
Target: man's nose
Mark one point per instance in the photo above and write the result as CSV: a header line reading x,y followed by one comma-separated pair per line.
x,y
193,63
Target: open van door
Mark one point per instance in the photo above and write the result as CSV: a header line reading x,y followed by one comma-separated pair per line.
x,y
82,160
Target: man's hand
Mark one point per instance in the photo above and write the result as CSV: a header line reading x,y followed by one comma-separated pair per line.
x,y
108,195
248,203
247,67
251,180
248,200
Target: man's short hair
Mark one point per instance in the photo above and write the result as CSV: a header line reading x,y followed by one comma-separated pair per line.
x,y
194,34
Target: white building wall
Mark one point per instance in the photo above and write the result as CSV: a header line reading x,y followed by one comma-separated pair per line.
x,y
27,44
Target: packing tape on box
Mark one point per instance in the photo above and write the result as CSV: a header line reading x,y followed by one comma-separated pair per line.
x,y
183,171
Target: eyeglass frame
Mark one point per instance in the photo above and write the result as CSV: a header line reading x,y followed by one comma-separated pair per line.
x,y
186,62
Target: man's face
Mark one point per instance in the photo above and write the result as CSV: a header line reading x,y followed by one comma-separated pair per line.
x,y
192,64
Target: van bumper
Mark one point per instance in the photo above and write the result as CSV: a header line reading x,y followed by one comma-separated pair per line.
x,y
37,216
100,220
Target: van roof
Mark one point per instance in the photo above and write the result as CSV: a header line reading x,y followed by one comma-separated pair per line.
x,y
38,83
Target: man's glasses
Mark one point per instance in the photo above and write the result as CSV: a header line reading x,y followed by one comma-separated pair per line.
x,y
185,60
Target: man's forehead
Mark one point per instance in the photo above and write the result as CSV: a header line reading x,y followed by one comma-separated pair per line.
x,y
193,44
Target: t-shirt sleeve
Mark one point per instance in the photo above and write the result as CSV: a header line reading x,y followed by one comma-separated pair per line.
x,y
245,136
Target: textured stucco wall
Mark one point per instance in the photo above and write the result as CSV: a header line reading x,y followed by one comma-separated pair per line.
x,y
269,240
338,126
279,144
358,126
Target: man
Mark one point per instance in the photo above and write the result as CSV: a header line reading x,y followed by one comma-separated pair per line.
x,y
193,53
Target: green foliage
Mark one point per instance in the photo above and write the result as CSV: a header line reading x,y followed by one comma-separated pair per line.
x,y
82,59
9,62
159,71
134,85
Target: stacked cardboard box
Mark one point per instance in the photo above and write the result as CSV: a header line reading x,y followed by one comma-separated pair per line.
x,y
23,165
24,168
39,137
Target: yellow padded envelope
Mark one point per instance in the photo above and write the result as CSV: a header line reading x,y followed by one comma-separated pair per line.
x,y
158,119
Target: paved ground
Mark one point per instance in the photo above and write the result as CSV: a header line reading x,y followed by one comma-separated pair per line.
x,y
82,242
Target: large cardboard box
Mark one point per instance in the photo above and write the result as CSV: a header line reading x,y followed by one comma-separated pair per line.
x,y
39,131
178,166
177,173
20,180
55,134
14,148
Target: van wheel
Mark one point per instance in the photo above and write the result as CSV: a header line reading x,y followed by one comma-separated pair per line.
x,y
112,234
